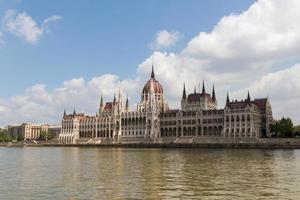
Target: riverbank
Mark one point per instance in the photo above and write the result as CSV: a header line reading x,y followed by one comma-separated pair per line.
x,y
261,143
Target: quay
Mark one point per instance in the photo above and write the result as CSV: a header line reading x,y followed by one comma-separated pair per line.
x,y
192,142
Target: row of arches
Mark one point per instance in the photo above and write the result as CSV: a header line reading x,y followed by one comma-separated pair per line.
x,y
99,134
133,121
238,118
191,131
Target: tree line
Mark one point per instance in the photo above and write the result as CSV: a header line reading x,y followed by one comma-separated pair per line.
x,y
284,128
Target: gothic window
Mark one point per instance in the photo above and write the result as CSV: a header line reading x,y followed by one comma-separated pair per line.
x,y
248,117
243,118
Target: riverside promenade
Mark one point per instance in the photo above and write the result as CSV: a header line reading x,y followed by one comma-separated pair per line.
x,y
187,142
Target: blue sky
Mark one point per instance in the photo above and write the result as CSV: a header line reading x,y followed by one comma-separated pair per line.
x,y
60,54
96,37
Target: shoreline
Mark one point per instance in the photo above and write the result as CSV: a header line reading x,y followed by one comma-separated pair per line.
x,y
225,143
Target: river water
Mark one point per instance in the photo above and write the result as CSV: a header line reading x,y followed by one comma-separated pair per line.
x,y
122,173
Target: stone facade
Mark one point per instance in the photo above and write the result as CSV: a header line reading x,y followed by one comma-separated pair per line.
x,y
27,131
199,116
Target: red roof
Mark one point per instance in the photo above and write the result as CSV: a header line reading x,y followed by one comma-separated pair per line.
x,y
195,97
156,86
108,106
261,103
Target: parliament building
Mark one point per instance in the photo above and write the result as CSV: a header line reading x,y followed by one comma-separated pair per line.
x,y
153,121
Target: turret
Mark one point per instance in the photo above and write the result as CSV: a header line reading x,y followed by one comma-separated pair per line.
x,y
203,87
65,112
101,106
214,94
101,102
114,101
74,112
127,104
195,90
227,100
248,97
184,93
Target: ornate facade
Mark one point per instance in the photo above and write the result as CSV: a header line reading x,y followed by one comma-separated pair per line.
x,y
199,116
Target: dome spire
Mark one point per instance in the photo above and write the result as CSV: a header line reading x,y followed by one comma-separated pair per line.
x,y
152,72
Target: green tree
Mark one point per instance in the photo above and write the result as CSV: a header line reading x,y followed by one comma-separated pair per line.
x,y
283,128
4,137
297,131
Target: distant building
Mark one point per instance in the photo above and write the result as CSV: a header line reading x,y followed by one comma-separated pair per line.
x,y
3,130
53,131
26,131
199,116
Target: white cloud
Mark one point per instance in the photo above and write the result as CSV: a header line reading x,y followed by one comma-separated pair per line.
x,y
165,39
24,26
39,105
53,18
283,89
239,53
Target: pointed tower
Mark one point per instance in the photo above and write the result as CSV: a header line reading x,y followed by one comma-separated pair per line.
x,y
203,87
74,112
227,100
183,93
213,94
114,101
101,106
248,97
65,112
120,99
127,104
195,90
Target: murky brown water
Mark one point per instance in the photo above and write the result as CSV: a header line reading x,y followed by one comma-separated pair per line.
x,y
95,173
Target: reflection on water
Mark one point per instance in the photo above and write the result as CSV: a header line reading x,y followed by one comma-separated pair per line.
x,y
112,173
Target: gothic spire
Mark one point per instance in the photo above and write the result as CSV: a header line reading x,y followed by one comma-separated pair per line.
x,y
227,100
184,92
74,112
248,97
127,104
213,93
152,72
114,101
64,112
203,87
195,90
101,102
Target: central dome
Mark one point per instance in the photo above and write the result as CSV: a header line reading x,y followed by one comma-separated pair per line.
x,y
156,85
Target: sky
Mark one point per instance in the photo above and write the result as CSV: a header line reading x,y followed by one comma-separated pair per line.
x,y
61,54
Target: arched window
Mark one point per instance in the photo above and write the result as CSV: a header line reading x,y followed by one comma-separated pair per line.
x,y
243,118
248,117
